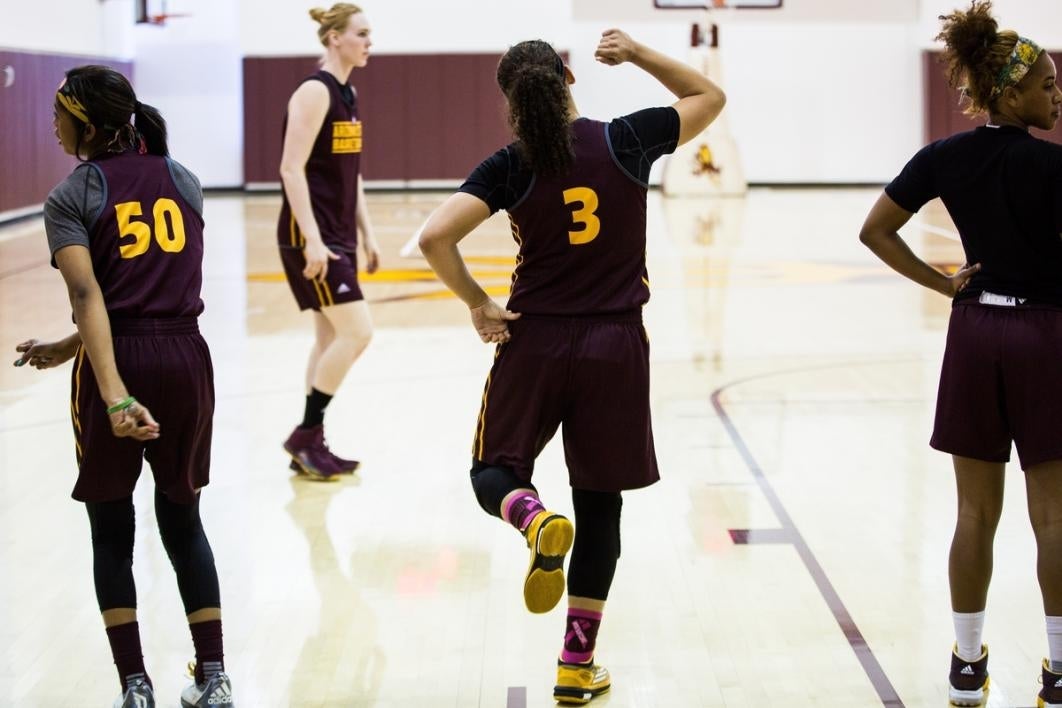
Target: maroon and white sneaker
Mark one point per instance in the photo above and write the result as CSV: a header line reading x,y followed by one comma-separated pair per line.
x,y
344,465
1050,695
310,454
968,680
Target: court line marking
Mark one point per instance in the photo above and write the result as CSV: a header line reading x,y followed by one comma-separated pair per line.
x,y
412,247
516,697
938,230
790,534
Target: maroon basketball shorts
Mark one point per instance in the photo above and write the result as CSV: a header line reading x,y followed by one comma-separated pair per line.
x,y
340,285
165,365
1001,381
588,375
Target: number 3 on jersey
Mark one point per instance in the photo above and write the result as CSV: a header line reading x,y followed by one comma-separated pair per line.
x,y
140,232
585,214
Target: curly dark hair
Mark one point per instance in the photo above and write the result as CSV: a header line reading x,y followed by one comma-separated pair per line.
x,y
531,74
976,52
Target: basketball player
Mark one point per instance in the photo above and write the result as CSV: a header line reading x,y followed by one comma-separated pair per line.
x,y
1001,380
323,211
572,350
126,231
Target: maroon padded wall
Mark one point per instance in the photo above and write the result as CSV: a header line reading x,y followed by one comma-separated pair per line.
x,y
31,160
944,116
426,116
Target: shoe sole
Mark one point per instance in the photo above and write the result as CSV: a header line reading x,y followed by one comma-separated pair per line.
x,y
296,467
544,582
314,474
976,697
571,695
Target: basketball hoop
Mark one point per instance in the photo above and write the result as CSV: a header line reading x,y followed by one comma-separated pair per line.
x,y
160,19
155,12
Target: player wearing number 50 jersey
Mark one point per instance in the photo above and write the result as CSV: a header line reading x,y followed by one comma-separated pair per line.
x,y
126,232
571,349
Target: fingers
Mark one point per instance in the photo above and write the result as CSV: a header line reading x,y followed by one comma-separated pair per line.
x,y
317,271
507,315
134,422
25,349
500,337
144,417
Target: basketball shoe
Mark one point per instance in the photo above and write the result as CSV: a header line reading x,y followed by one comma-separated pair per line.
x,y
216,691
968,680
549,536
1050,695
310,454
579,683
139,695
345,466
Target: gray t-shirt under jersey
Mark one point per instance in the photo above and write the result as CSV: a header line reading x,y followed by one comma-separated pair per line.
x,y
76,202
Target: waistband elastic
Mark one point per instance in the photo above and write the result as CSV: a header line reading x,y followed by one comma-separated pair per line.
x,y
152,327
627,317
996,301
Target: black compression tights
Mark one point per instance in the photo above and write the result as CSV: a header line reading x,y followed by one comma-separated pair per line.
x,y
113,528
597,528
597,543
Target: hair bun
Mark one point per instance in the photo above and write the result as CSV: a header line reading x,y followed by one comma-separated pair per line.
x,y
318,14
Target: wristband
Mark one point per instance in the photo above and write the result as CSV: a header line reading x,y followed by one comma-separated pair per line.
x,y
121,405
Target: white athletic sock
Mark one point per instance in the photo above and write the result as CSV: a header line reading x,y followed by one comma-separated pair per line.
x,y
1054,643
969,626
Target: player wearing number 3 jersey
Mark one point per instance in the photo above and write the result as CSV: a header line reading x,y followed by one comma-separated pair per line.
x,y
126,232
571,349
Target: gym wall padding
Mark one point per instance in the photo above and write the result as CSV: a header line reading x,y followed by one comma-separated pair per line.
x,y
32,161
426,116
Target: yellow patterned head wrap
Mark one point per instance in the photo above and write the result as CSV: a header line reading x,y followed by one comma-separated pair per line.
x,y
1025,54
72,105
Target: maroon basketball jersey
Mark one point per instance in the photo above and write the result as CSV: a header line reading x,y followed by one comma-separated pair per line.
x,y
331,172
147,243
581,235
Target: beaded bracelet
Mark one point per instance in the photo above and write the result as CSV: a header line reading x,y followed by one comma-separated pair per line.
x,y
121,405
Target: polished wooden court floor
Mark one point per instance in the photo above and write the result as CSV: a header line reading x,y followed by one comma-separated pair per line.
x,y
793,555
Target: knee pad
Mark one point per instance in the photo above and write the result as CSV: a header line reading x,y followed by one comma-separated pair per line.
x,y
113,525
492,483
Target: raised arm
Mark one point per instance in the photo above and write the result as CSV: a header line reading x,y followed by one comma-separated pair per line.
x,y
699,100
447,225
306,112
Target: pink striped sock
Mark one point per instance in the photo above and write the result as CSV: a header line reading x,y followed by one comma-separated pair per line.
x,y
520,509
580,636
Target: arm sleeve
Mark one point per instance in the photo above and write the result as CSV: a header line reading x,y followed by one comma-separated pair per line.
x,y
72,208
497,181
915,185
639,139
187,184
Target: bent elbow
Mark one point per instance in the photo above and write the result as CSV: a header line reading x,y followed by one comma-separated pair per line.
x,y
79,293
869,237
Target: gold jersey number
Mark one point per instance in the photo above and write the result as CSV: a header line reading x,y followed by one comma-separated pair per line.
x,y
585,214
168,232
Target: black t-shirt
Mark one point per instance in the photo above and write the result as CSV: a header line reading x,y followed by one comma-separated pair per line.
x,y
1003,189
636,141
